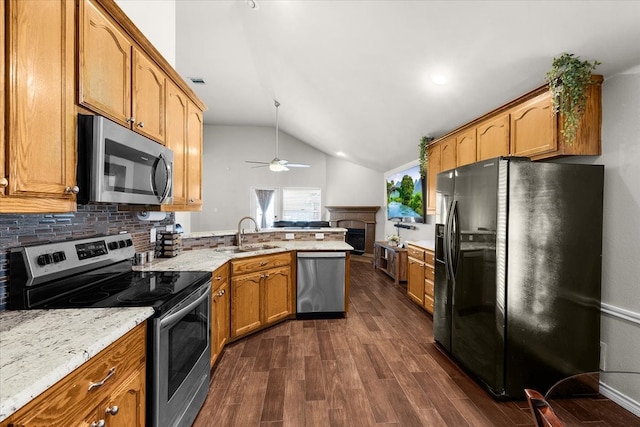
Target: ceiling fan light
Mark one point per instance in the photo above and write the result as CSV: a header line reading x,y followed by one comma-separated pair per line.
x,y
277,167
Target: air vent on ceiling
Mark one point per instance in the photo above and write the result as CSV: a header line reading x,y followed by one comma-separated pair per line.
x,y
197,80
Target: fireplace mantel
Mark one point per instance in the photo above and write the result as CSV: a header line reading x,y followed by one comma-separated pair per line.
x,y
362,217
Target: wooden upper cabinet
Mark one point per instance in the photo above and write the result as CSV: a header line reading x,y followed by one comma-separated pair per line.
x,y
117,80
448,158
37,151
492,137
466,147
194,157
433,169
105,65
4,182
533,127
177,105
148,100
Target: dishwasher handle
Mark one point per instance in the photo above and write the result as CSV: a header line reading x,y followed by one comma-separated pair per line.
x,y
322,255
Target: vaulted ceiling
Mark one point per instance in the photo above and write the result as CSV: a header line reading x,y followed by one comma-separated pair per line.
x,y
356,76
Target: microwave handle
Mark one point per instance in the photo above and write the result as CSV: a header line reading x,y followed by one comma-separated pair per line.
x,y
167,187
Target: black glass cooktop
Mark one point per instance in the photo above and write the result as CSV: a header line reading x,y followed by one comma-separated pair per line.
x,y
118,286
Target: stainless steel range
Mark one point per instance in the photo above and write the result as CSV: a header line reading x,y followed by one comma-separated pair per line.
x,y
97,272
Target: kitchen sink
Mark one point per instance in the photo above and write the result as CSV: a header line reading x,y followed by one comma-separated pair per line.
x,y
245,248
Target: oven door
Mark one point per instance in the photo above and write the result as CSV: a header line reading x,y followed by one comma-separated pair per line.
x,y
182,354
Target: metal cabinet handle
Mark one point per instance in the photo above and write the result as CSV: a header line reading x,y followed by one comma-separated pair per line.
x,y
99,423
218,278
69,190
92,385
263,263
4,182
222,292
191,201
131,119
140,125
112,410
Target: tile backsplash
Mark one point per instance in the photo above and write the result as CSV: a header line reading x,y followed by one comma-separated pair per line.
x,y
89,220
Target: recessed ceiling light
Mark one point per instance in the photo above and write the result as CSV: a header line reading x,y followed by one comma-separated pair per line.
x,y
438,79
340,154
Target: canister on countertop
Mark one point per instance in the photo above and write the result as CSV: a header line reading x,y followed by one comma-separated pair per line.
x,y
150,256
140,258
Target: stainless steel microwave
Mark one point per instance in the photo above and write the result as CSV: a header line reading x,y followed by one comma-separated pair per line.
x,y
117,165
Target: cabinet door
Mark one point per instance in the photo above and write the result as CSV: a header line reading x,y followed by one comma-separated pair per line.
x,y
392,263
433,169
493,138
194,157
448,153
40,107
277,294
466,147
176,120
415,282
3,148
148,97
126,407
223,317
245,303
105,65
533,127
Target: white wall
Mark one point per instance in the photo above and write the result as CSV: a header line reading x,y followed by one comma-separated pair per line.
x,y
620,324
159,27
349,184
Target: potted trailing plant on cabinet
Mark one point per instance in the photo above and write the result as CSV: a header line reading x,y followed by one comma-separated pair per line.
x,y
569,79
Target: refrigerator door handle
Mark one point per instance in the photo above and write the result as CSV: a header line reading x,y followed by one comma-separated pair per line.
x,y
449,241
446,241
455,252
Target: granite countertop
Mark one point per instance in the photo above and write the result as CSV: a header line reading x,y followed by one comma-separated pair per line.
x,y
425,244
221,233
210,259
40,347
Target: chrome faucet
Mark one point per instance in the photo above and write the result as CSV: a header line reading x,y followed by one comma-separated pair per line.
x,y
241,230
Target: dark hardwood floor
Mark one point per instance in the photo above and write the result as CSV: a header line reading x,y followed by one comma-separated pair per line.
x,y
377,367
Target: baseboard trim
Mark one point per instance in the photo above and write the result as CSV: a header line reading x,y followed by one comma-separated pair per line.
x,y
620,313
621,399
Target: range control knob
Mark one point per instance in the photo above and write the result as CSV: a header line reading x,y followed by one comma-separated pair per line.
x,y
129,242
113,245
45,259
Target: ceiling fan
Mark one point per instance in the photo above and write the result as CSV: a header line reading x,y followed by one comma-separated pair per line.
x,y
277,164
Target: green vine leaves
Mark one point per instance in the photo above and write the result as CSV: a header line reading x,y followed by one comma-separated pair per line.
x,y
569,79
424,141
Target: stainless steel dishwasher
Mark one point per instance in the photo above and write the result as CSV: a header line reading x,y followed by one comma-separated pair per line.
x,y
321,285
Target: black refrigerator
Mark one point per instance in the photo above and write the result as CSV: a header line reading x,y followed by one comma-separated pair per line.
x,y
518,271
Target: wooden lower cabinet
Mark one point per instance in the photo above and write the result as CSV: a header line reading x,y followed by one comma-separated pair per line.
x,y
261,292
220,311
70,402
421,275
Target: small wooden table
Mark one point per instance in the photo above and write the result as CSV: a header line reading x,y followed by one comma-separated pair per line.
x,y
390,259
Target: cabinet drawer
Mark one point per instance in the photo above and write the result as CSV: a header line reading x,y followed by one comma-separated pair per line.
x,y
59,405
428,272
428,258
220,276
428,288
415,253
428,303
260,263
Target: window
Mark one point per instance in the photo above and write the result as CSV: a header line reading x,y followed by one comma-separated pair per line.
x,y
269,197
301,204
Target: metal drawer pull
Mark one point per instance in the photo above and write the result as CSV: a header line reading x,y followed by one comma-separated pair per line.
x,y
222,292
264,263
99,423
113,410
112,371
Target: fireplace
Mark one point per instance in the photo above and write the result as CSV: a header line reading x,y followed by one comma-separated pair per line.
x,y
356,238
353,218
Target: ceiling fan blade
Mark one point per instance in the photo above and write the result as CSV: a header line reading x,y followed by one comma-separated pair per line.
x,y
262,163
260,166
298,165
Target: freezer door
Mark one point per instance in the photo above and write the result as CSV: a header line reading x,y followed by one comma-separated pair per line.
x,y
477,333
442,282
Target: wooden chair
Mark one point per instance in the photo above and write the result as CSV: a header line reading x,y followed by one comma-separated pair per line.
x,y
542,412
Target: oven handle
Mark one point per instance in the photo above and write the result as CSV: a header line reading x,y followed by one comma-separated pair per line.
x,y
175,317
